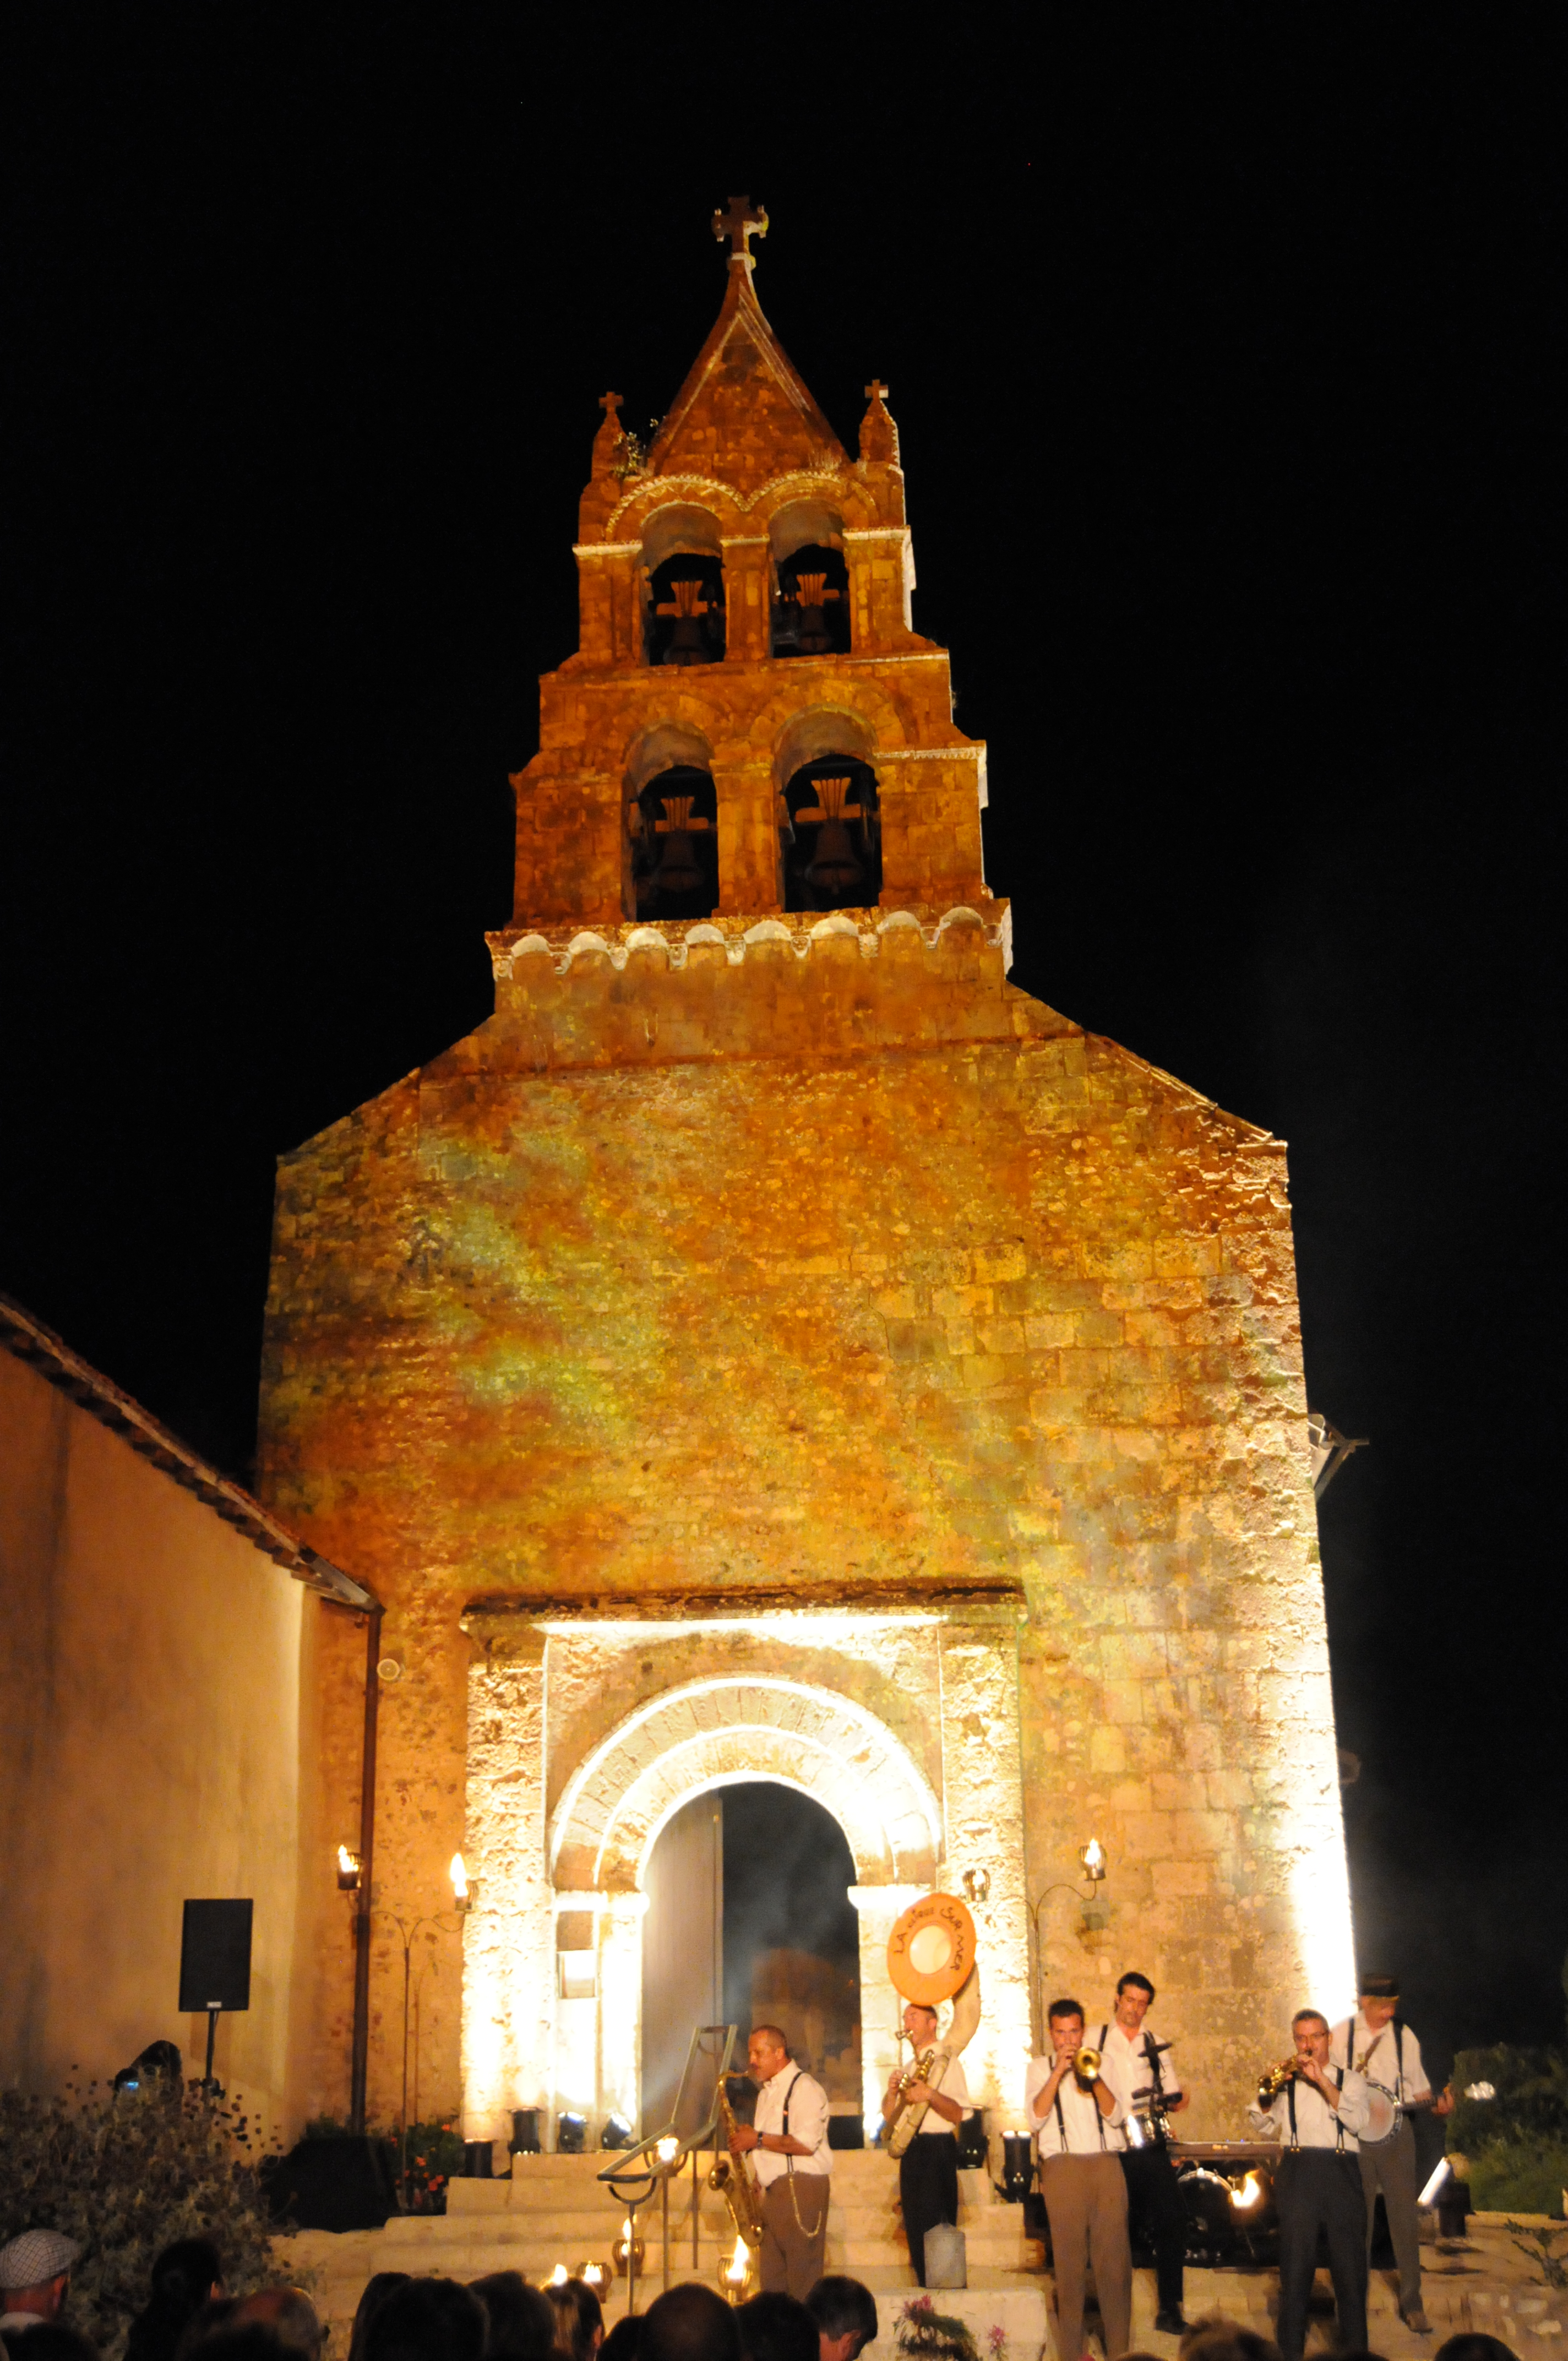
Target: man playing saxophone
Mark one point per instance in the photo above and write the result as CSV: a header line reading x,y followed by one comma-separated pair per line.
x,y
928,2168
788,2148
1317,2108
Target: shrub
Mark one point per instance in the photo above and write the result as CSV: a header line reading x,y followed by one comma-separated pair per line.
x,y
126,2177
1516,2141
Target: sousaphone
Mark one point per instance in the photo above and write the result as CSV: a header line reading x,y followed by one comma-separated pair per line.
x,y
931,1958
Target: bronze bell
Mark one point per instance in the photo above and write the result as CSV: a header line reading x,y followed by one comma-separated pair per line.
x,y
679,870
833,868
687,606
812,595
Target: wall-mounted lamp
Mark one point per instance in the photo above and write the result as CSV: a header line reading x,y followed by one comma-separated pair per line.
x,y
349,1867
1093,1858
977,1885
464,1896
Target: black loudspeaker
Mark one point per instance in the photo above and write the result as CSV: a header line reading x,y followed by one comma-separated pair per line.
x,y
214,1957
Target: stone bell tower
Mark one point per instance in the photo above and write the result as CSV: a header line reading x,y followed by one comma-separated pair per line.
x,y
775,1347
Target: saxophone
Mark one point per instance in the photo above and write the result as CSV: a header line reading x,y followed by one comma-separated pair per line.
x,y
737,2184
927,2072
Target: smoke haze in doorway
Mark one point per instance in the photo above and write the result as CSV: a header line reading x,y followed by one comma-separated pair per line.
x,y
787,1870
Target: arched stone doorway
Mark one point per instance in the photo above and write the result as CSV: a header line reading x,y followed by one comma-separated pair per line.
x,y
587,1733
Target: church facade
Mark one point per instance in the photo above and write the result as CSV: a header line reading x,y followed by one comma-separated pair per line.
x,y
775,1347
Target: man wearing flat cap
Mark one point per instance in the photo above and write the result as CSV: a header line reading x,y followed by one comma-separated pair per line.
x,y
35,2271
1378,2044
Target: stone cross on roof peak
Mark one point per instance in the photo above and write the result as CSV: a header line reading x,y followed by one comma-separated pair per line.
x,y
741,222
877,392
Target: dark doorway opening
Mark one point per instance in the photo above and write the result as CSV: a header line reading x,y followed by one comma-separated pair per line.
x,y
792,1949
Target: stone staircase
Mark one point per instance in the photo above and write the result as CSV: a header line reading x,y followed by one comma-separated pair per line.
x,y
554,2210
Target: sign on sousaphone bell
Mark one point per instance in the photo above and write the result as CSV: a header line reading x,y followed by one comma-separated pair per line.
x,y
931,1949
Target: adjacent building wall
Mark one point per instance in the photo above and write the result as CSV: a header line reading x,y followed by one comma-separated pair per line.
x,y
150,1751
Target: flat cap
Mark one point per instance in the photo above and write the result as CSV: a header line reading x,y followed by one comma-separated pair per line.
x,y
35,2257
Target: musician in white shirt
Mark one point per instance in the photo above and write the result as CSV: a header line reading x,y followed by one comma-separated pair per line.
x,y
1386,2052
1078,2133
1317,2115
787,2143
1154,2198
928,2168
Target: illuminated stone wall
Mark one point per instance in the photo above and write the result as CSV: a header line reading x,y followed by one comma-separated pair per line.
x,y
776,1265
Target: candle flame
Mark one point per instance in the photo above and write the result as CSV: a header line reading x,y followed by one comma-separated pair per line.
x,y
669,2149
1248,2193
558,2277
459,1877
740,2263
347,1860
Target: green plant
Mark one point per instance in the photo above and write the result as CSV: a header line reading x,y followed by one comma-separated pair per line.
x,y
125,2176
934,2335
434,2154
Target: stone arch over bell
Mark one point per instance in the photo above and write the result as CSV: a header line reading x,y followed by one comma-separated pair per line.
x,y
828,816
717,1732
683,573
671,760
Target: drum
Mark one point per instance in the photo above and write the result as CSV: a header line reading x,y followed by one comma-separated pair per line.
x,y
1384,2120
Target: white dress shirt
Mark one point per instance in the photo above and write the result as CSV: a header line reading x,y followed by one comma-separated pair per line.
x,y
807,2123
1317,2124
1135,2074
1377,2056
952,2085
1088,2131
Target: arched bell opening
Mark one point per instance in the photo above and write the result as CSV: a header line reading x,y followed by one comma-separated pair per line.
x,y
811,612
673,822
831,836
682,568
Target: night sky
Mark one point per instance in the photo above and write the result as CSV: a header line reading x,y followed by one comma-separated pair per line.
x,y
1222,346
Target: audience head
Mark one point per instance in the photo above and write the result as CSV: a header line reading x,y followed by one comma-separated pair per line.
x,y
289,2312
1474,2347
777,2328
186,2276
522,2317
624,2341
691,2323
580,2321
51,2340
378,2288
844,2313
1215,2338
427,2319
35,2271
205,2323
235,2340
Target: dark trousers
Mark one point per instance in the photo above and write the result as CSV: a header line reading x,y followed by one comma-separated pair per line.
x,y
1155,2209
1391,2166
927,2190
1318,2188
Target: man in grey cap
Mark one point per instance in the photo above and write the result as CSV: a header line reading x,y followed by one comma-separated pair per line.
x,y
35,2271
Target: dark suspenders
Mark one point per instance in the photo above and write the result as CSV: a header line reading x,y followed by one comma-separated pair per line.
x,y
1291,2104
789,2160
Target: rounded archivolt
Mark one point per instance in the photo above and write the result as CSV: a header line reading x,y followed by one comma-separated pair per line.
x,y
711,1733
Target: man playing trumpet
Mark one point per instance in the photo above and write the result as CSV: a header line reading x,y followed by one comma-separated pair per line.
x,y
1317,2108
1076,2112
928,2168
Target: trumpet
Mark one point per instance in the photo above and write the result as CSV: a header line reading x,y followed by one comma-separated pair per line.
x,y
1086,2065
1275,2078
